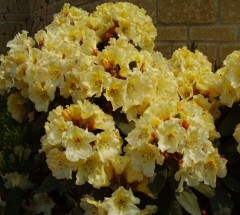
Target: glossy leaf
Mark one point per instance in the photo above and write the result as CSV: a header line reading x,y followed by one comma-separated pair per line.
x,y
122,123
13,201
188,201
175,208
49,184
221,203
159,182
65,185
232,183
125,128
205,190
228,124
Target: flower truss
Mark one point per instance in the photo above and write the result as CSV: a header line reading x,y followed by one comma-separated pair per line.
x,y
114,124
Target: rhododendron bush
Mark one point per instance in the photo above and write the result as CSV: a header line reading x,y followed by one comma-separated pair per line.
x,y
103,124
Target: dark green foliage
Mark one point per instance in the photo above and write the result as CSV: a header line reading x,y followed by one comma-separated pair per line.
x,y
12,135
192,46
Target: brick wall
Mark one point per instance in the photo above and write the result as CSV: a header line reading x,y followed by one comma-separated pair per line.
x,y
13,18
213,24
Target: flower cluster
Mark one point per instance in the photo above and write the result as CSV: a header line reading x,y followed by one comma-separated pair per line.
x,y
195,79
180,131
229,78
78,57
236,135
115,111
82,138
121,202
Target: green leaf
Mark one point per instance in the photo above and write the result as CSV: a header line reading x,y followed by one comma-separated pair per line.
x,y
205,190
65,185
227,126
175,208
125,128
122,122
229,149
232,183
13,201
1,210
221,203
188,201
164,201
159,182
49,184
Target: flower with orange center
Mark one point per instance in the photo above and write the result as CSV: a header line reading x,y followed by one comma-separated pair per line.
x,y
121,202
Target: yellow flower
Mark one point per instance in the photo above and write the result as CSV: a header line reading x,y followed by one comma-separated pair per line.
x,y
121,202
144,157
119,163
107,144
138,87
93,171
196,138
143,186
132,175
118,21
236,135
116,93
90,206
19,46
77,143
42,203
149,209
5,82
171,136
139,135
71,85
14,179
41,94
60,166
232,63
229,95
187,174
56,130
68,14
214,166
194,75
95,80
16,106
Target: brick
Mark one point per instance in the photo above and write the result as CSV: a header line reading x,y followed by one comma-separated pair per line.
x,y
226,50
213,33
172,33
178,45
38,24
164,48
187,11
37,4
209,50
13,17
4,6
18,6
78,2
12,27
4,39
230,11
92,7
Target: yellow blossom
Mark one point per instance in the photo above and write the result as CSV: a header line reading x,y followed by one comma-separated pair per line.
x,y
16,106
121,202
236,135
